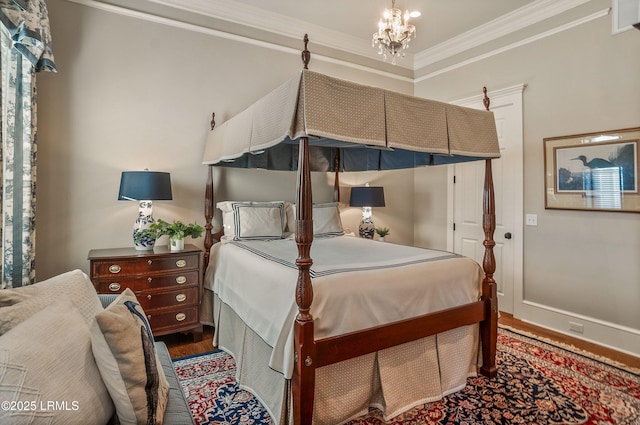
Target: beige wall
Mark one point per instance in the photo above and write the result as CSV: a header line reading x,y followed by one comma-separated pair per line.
x,y
132,94
579,264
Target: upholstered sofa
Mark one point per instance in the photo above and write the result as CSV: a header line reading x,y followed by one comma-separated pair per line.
x,y
69,355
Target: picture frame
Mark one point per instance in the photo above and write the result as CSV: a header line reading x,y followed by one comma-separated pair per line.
x,y
593,171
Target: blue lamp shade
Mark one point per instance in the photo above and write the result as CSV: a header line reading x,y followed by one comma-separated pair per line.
x,y
145,186
367,196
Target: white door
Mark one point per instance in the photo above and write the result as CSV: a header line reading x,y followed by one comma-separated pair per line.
x,y
466,195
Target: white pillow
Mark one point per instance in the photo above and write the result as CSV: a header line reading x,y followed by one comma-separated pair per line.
x,y
253,220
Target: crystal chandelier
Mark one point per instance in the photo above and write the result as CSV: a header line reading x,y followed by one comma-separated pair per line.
x,y
394,32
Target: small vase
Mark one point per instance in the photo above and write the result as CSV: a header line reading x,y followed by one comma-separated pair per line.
x,y
176,244
381,238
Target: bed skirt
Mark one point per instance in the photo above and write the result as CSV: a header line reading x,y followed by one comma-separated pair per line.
x,y
394,380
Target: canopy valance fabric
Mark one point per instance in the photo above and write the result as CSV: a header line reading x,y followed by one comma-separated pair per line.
x,y
375,129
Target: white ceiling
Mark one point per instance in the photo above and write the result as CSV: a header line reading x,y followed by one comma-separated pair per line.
x,y
446,27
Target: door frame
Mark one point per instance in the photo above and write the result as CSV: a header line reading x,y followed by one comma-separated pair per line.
x,y
513,95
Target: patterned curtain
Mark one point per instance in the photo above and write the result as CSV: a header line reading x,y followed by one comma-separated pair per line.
x,y
26,49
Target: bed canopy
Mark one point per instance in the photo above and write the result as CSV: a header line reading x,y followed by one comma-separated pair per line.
x,y
373,128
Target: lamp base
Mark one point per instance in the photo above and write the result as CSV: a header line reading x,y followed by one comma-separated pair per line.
x,y
143,222
366,230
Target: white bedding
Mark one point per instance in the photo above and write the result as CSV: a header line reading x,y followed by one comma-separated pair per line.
x,y
357,284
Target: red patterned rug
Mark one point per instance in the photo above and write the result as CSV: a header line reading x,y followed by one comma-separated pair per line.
x,y
537,383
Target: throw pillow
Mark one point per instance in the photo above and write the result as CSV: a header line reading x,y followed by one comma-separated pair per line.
x,y
47,371
124,349
18,304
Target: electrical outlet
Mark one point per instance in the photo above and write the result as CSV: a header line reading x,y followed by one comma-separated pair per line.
x,y
576,327
531,219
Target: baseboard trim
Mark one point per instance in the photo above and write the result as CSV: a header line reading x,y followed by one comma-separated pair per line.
x,y
611,335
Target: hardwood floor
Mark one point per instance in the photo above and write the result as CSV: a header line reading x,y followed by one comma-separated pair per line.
x,y
181,345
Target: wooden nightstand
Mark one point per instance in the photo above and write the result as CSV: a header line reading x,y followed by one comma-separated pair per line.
x,y
166,283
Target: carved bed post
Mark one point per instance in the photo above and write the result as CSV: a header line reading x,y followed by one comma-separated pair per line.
x,y
306,54
489,326
303,380
208,209
208,217
304,370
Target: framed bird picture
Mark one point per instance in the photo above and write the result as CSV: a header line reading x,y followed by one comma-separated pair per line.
x,y
593,171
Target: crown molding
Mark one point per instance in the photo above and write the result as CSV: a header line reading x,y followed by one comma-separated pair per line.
x,y
511,22
539,36
266,20
276,23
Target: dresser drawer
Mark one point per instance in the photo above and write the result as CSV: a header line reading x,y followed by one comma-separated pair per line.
x,y
178,298
117,284
125,267
172,319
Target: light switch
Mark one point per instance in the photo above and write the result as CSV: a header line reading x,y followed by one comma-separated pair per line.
x,y
531,220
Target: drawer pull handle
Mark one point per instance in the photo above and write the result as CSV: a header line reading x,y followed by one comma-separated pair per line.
x,y
150,262
149,297
180,317
114,268
148,317
180,297
181,263
114,287
149,279
180,280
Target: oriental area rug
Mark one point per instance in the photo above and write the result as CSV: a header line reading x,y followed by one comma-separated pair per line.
x,y
537,383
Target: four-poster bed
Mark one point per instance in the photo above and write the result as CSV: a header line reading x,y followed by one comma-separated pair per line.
x,y
316,122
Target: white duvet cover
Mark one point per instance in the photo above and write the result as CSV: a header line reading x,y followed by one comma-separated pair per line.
x,y
357,284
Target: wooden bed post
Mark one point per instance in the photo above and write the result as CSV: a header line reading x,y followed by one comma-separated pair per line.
x,y
304,371
209,208
303,384
489,326
208,217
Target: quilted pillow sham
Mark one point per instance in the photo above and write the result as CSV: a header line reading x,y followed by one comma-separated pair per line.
x,y
254,220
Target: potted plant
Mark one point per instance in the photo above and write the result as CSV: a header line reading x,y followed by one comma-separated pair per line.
x,y
382,232
176,231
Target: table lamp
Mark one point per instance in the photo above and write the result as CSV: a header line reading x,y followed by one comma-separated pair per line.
x,y
367,197
144,187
